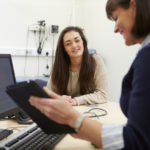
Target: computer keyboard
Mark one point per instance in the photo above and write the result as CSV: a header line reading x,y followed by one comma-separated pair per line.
x,y
31,138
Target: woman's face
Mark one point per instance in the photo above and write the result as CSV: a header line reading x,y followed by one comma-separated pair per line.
x,y
124,21
73,44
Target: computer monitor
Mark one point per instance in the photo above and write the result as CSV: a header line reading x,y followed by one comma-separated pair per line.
x,y
7,77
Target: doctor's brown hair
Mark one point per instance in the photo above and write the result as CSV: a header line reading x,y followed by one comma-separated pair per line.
x,y
141,26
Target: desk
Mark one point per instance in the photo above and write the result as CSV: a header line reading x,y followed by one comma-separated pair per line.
x,y
114,116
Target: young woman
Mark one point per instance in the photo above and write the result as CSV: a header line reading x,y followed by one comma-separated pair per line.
x,y
77,75
132,20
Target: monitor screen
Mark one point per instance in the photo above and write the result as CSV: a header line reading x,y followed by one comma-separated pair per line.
x,y
7,77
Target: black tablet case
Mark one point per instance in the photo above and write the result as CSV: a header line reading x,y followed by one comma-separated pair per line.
x,y
21,92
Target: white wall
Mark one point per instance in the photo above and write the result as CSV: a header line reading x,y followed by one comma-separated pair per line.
x,y
89,14
17,15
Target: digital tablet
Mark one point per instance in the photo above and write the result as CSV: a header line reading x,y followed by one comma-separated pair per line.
x,y
21,92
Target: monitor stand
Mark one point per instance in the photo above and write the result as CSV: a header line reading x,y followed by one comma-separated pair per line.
x,y
22,118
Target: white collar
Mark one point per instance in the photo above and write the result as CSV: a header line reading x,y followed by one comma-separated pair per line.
x,y
146,41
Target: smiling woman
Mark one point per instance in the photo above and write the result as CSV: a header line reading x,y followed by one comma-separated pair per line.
x,y
77,75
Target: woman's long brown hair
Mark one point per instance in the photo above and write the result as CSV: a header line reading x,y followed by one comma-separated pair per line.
x,y
60,71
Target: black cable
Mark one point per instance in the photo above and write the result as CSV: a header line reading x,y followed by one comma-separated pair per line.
x,y
92,114
26,51
41,38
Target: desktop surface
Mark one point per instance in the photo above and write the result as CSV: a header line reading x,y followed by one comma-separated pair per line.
x,y
114,116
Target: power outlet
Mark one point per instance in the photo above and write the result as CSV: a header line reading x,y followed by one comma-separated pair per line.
x,y
28,52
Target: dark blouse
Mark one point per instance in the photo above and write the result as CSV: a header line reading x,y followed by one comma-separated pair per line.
x,y
135,102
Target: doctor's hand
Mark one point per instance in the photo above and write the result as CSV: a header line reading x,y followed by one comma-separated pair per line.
x,y
55,108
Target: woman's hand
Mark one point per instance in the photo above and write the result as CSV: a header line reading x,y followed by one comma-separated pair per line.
x,y
72,101
55,108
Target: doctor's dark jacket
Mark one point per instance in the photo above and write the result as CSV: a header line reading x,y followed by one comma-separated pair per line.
x,y
135,102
